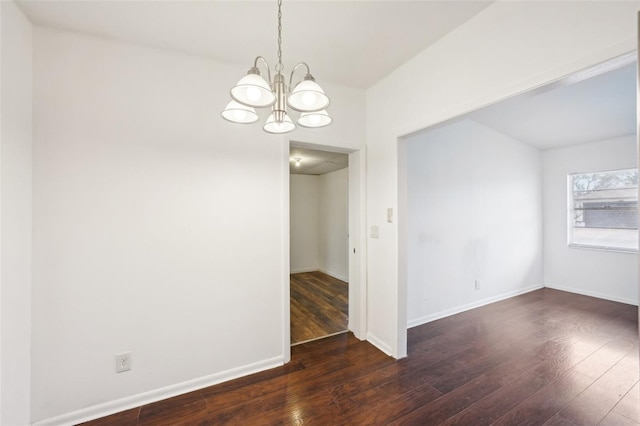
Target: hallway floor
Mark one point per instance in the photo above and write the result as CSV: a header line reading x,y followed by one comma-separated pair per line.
x,y
319,306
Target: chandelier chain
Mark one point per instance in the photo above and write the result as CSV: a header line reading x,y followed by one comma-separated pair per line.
x,y
279,66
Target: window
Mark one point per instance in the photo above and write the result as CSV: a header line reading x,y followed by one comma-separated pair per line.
x,y
603,210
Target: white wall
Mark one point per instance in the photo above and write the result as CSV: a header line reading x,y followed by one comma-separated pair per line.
x,y
334,224
474,213
305,223
596,273
320,223
15,216
149,234
347,131
506,49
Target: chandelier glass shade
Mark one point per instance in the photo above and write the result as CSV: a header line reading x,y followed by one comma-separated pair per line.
x,y
308,96
315,119
275,124
238,113
253,91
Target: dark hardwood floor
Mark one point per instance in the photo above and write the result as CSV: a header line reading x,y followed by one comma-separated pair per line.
x,y
319,306
543,358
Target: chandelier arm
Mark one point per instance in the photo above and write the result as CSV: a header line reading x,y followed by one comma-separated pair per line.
x,y
266,64
295,68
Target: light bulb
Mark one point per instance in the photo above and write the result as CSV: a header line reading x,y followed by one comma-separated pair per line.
x,y
253,93
314,119
309,98
240,114
284,126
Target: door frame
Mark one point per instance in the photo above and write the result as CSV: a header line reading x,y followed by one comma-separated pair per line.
x,y
357,241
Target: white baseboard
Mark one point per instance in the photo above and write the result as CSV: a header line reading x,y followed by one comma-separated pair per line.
x,y
324,271
112,407
379,344
334,275
442,314
302,270
593,294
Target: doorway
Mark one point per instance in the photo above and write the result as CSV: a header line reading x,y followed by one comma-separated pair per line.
x,y
482,169
319,243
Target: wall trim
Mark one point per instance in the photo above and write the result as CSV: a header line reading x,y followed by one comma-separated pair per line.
x,y
302,270
458,309
112,407
593,294
378,343
334,275
324,271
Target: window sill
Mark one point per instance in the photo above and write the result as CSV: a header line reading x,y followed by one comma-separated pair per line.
x,y
603,248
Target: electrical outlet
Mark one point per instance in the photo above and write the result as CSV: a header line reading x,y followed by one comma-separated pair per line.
x,y
477,284
123,362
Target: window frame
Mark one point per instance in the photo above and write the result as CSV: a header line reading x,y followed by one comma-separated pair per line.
x,y
571,210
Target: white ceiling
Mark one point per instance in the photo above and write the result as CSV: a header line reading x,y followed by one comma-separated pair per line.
x,y
314,162
599,108
354,43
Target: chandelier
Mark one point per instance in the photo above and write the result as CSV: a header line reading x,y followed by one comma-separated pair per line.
x,y
253,91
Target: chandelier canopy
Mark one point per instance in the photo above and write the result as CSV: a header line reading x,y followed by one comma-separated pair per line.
x,y
253,91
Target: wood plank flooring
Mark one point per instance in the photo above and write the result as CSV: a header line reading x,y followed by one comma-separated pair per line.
x,y
319,306
543,358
